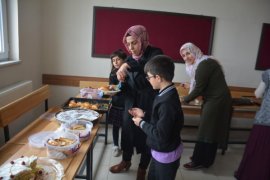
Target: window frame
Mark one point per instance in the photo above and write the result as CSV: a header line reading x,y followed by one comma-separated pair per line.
x,y
4,46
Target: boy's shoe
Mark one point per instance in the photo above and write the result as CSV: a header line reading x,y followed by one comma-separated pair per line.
x,y
116,151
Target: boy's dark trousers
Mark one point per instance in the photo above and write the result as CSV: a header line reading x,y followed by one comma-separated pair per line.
x,y
162,171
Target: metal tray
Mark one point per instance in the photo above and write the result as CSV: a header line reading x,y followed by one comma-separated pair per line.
x,y
103,104
243,101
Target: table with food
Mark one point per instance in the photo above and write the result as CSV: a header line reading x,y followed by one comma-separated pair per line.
x,y
56,144
53,146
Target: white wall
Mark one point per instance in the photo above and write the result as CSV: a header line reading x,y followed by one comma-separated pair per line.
x,y
29,12
55,37
67,35
29,26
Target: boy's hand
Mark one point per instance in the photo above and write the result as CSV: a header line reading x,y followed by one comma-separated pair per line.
x,y
137,120
136,112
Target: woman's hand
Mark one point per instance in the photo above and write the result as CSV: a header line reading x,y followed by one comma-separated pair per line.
x,y
181,99
122,72
136,112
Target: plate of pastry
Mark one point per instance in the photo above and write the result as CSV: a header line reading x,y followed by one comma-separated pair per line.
x,y
109,89
32,167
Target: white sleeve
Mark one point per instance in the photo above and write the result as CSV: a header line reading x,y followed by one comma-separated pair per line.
x,y
260,90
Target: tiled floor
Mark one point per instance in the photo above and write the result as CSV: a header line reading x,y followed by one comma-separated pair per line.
x,y
223,168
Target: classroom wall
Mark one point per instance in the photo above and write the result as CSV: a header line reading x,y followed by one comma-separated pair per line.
x,y
55,37
67,35
29,25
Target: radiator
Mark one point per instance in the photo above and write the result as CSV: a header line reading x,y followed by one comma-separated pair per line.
x,y
9,94
14,91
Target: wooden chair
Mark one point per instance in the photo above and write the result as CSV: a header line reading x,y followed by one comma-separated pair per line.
x,y
17,108
92,84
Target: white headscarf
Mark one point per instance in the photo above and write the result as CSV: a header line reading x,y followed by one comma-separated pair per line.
x,y
191,68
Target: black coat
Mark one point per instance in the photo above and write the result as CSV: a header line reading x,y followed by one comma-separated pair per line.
x,y
163,131
139,93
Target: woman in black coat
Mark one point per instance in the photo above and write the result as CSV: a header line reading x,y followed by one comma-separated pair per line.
x,y
138,93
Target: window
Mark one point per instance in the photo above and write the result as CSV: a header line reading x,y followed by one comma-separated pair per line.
x,y
9,33
3,31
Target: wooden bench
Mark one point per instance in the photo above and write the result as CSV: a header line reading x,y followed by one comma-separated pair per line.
x,y
17,108
236,92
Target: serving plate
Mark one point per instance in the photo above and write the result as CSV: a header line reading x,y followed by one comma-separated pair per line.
x,y
113,89
111,93
53,170
32,167
68,116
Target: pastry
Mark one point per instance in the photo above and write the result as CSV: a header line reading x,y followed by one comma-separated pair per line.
x,y
21,168
61,141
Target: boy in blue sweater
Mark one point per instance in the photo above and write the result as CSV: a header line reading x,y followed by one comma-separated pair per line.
x,y
163,130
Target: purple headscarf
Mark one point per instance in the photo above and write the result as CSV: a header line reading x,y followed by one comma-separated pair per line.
x,y
140,33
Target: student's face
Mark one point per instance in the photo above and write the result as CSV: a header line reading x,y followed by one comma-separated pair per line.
x,y
134,45
187,56
117,62
153,80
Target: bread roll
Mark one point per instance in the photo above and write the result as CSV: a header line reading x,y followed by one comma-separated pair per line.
x,y
104,88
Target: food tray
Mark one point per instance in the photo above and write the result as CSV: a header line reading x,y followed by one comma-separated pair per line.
x,y
103,105
243,101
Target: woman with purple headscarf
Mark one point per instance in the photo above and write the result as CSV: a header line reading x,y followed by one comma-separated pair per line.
x,y
138,93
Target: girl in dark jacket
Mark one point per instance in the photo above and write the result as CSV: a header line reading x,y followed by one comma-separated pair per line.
x,y
116,112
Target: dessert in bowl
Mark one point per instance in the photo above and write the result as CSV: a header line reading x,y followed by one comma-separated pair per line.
x,y
62,144
79,127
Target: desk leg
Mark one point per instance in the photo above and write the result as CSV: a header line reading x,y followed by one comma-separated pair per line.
x,y
106,127
89,164
6,132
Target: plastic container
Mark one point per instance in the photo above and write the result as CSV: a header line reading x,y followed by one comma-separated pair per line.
x,y
91,93
64,151
38,140
74,127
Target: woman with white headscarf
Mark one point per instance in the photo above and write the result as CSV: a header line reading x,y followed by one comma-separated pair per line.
x,y
209,83
138,92
193,62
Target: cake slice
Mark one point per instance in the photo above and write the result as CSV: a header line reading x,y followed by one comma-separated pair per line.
x,y
23,168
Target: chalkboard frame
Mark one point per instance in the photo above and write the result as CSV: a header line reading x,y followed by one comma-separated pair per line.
x,y
167,30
